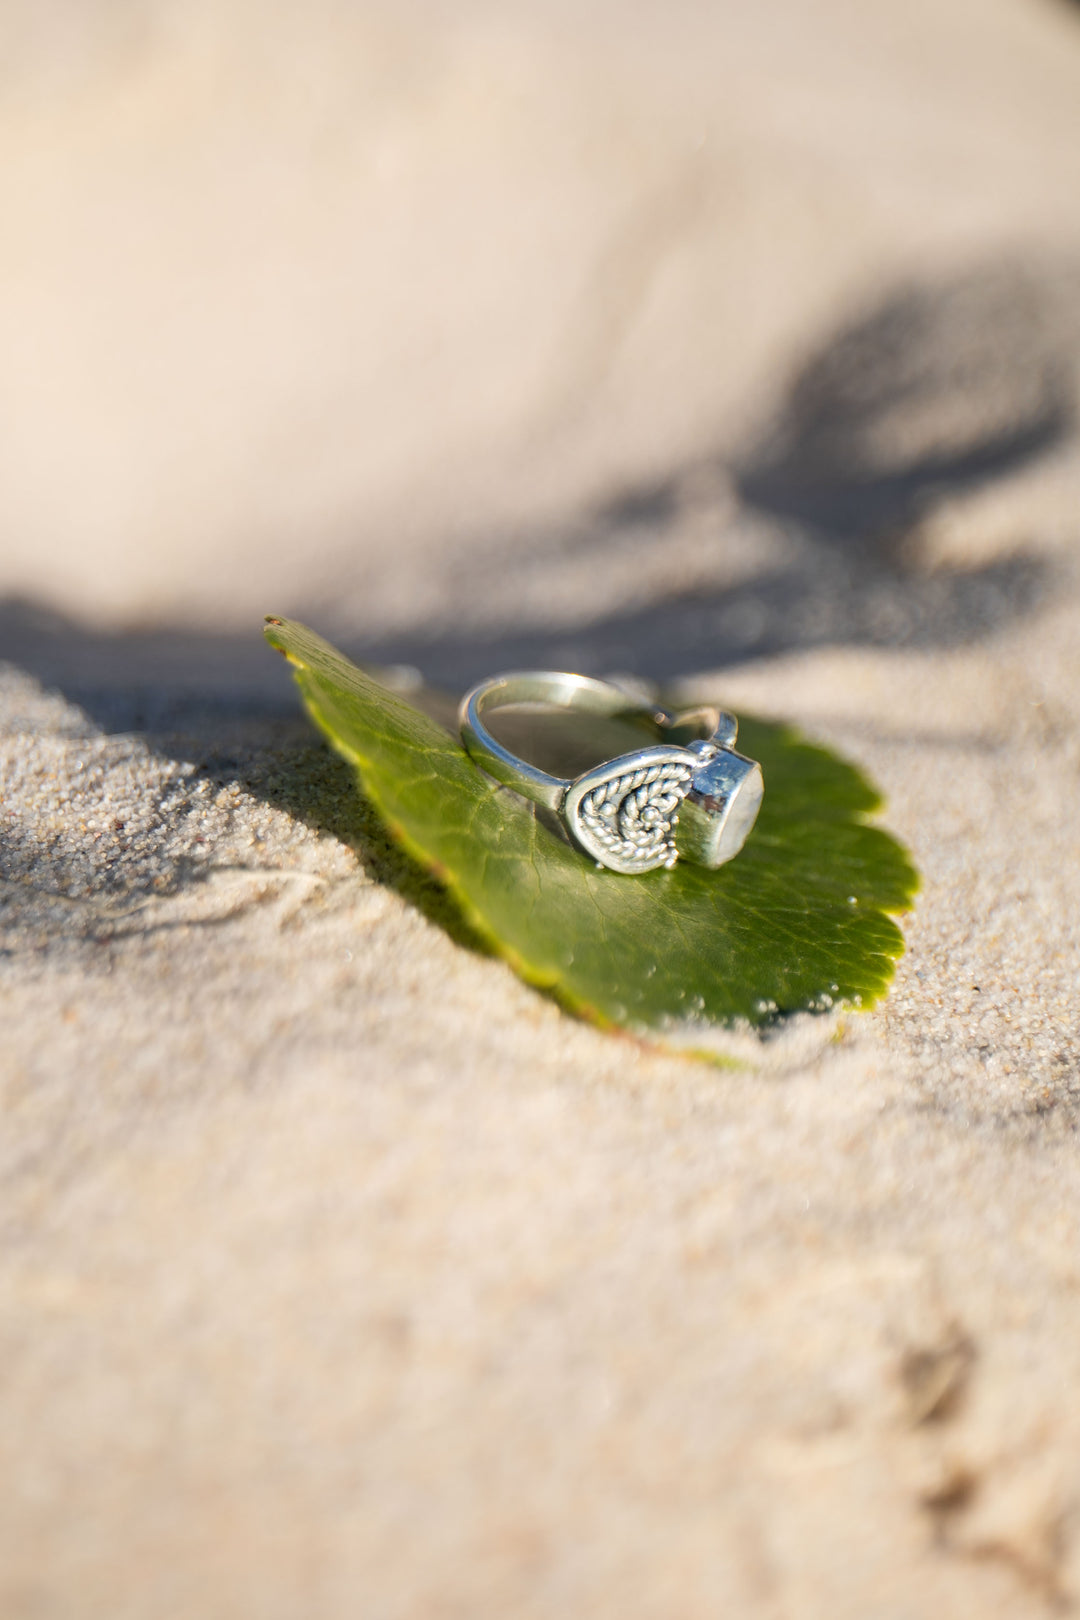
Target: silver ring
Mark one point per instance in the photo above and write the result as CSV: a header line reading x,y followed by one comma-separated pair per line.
x,y
643,809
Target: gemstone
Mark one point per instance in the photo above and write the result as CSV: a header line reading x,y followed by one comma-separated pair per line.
x,y
721,807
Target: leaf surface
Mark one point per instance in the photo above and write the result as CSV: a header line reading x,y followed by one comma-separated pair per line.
x,y
799,920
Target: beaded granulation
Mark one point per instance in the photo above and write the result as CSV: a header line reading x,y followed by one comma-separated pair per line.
x,y
631,818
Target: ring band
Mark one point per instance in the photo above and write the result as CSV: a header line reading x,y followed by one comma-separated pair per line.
x,y
640,810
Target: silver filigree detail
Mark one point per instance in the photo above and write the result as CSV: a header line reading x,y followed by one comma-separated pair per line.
x,y
627,821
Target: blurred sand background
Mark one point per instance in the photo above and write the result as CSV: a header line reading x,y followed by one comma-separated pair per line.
x,y
730,346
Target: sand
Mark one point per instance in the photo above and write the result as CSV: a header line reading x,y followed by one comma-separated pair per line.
x,y
342,1274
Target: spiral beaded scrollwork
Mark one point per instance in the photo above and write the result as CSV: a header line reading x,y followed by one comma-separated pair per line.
x,y
632,817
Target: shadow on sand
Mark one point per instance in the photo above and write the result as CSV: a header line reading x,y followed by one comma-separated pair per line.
x,y
940,390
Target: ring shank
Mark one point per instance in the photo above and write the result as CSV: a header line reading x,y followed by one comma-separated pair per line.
x,y
562,691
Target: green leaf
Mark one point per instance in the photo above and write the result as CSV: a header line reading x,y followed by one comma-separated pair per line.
x,y
798,921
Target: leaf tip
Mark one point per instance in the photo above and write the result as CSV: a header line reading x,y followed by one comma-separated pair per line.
x,y
271,623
